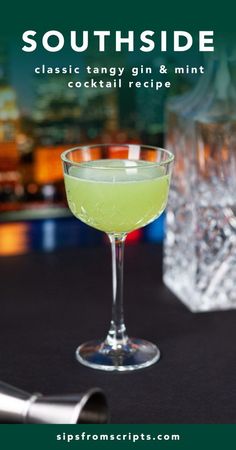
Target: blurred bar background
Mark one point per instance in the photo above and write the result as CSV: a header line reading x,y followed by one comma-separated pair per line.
x,y
39,118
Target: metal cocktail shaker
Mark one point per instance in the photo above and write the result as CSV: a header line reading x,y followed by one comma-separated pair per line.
x,y
17,406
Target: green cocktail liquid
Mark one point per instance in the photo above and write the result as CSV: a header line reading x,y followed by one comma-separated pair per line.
x,y
117,196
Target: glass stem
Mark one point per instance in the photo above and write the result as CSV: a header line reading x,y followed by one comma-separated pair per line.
x,y
117,333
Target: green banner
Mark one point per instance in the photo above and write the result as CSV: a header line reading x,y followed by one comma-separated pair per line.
x,y
98,437
118,15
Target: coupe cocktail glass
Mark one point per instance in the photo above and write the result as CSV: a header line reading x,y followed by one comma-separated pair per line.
x,y
117,189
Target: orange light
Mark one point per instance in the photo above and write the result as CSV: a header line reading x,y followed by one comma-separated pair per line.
x,y
47,165
13,239
9,155
150,155
118,152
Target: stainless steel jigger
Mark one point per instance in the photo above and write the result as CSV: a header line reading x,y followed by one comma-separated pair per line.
x,y
17,406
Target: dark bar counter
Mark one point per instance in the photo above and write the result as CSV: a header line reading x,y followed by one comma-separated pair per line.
x,y
52,302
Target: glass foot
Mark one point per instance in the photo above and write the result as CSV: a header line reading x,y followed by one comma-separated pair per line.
x,y
135,354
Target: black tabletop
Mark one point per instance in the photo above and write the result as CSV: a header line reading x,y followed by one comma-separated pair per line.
x,y
52,302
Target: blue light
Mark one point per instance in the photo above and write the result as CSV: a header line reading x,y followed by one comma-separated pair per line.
x,y
49,235
155,231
